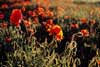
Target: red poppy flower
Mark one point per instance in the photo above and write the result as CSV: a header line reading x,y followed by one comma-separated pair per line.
x,y
49,23
59,37
34,14
16,17
30,13
57,32
85,32
56,29
40,10
43,14
4,6
1,16
49,13
83,20
7,39
74,25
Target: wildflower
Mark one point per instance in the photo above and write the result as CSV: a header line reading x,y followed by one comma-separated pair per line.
x,y
30,13
1,16
59,36
34,14
49,13
4,5
40,10
30,30
56,29
67,17
16,17
49,23
83,20
43,14
85,32
25,3
57,32
74,25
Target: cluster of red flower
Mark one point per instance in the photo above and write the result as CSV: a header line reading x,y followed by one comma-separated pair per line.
x,y
16,17
54,29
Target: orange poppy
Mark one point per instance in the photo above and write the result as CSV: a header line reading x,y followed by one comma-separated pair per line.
x,y
40,10
67,17
57,32
98,62
25,3
83,20
16,17
59,37
49,13
56,29
85,32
